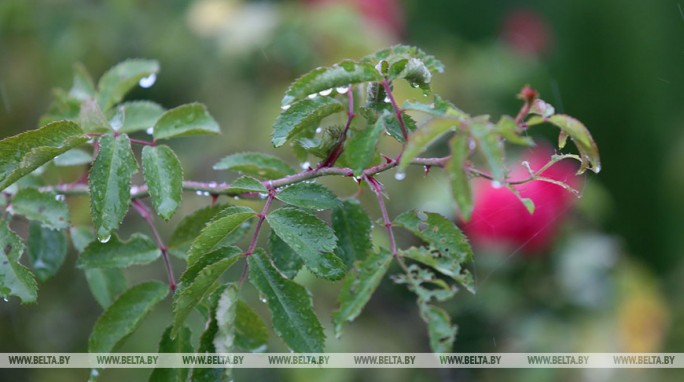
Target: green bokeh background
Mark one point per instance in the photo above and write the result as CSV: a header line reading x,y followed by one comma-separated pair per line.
x,y
612,282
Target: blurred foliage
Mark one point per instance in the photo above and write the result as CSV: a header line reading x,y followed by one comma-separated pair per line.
x,y
612,281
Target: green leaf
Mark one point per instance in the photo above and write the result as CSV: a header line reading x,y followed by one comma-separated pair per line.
x,y
226,312
310,238
290,303
491,146
124,316
458,175
343,74
91,118
394,128
306,113
42,207
184,121
83,86
527,202
199,280
15,279
247,184
285,259
25,152
359,286
63,108
190,227
439,108
449,248
219,228
120,79
255,164
73,157
137,115
542,108
206,345
413,70
164,177
105,284
359,149
309,195
251,334
46,249
137,250
110,184
583,140
509,130
440,331
399,52
352,227
423,137
425,284
181,344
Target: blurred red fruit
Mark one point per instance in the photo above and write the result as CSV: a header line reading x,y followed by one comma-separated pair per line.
x,y
500,220
383,14
526,32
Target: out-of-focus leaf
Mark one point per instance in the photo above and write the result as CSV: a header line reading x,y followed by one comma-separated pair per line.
x,y
206,345
226,313
46,249
120,79
458,175
41,207
92,119
507,128
73,157
491,146
83,86
424,136
583,140
440,331
137,115
290,303
137,250
251,334
125,315
359,149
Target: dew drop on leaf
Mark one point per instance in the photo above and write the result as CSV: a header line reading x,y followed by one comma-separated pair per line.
x,y
318,130
400,175
312,96
285,107
150,130
342,89
325,92
305,165
496,184
104,239
148,81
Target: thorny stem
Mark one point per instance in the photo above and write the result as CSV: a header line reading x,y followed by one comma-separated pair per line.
x,y
261,217
144,212
335,153
397,110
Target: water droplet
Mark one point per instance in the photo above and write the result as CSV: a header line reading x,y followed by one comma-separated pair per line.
x,y
400,175
285,107
263,195
472,144
312,96
206,193
117,120
496,184
387,99
104,239
148,81
5,299
318,130
94,373
59,197
305,165
342,89
150,130
198,193
236,197
325,92
263,299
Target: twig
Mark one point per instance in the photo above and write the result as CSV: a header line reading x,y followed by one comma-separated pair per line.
x,y
397,110
144,212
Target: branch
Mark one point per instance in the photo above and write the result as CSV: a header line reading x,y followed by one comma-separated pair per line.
x,y
257,231
145,214
397,110
339,145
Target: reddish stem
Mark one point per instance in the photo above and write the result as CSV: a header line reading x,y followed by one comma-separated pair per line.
x,y
397,110
377,189
144,212
330,160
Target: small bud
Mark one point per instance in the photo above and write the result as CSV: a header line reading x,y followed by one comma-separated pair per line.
x,y
528,94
